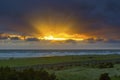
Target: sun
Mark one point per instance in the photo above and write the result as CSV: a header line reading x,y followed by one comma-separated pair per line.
x,y
51,37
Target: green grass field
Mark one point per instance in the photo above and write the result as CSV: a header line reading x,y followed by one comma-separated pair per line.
x,y
51,60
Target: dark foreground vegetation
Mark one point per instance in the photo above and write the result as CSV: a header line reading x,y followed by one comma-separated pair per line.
x,y
104,76
7,73
26,74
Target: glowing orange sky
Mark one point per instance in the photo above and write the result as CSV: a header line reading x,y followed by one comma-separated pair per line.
x,y
49,36
55,26
63,36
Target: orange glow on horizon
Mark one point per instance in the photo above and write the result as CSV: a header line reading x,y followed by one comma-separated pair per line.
x,y
56,26
50,36
63,37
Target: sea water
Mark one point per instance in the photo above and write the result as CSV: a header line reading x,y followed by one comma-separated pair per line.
x,y
48,53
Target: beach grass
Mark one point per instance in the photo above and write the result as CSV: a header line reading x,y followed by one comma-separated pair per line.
x,y
85,73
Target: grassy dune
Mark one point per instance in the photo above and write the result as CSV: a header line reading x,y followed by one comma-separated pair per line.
x,y
82,73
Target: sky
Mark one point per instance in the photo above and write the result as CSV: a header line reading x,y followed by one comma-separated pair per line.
x,y
96,23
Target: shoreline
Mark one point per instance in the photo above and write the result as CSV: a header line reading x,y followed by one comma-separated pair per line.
x,y
27,57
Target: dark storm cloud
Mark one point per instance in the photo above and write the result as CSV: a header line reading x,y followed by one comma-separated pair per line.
x,y
3,38
15,38
113,41
99,17
32,39
94,17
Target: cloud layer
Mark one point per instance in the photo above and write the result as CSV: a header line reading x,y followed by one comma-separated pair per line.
x,y
89,17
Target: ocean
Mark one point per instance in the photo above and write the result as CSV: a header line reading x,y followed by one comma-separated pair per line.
x,y
48,53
